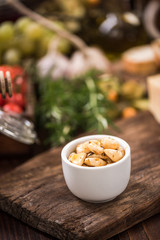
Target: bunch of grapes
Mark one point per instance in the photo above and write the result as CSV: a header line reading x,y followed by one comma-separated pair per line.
x,y
26,39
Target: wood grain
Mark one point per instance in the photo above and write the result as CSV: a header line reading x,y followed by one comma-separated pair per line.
x,y
152,227
137,232
13,229
36,192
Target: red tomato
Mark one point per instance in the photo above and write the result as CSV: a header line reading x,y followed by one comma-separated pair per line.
x,y
19,82
20,100
2,101
17,98
12,107
18,77
20,85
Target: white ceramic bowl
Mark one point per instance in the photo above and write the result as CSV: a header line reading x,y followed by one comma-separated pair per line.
x,y
96,184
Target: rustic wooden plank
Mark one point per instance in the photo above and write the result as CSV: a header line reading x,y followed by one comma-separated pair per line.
x,y
37,194
7,222
137,232
12,229
9,163
114,238
152,227
124,236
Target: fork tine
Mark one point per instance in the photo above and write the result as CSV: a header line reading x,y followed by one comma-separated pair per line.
x,y
9,83
3,85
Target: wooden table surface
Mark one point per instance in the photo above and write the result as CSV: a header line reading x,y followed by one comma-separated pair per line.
x,y
12,229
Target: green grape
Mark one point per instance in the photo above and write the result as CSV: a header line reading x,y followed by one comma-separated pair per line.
x,y
34,31
48,33
14,43
44,44
12,56
22,23
26,46
6,32
23,44
64,46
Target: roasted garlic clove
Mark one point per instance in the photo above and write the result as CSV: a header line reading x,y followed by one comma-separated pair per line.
x,y
95,162
95,148
83,148
95,141
109,143
77,158
113,154
101,156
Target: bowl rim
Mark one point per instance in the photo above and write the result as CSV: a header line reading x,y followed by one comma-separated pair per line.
x,y
93,137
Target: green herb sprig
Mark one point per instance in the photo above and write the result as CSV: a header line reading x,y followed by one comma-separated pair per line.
x,y
66,108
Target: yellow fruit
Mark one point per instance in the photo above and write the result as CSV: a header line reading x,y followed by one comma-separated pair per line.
x,y
141,104
132,90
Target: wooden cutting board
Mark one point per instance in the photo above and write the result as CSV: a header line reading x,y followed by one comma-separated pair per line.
x,y
36,193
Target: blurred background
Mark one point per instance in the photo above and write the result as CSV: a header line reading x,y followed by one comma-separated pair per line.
x,y
60,85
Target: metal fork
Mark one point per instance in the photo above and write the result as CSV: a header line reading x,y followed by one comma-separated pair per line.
x,y
5,84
